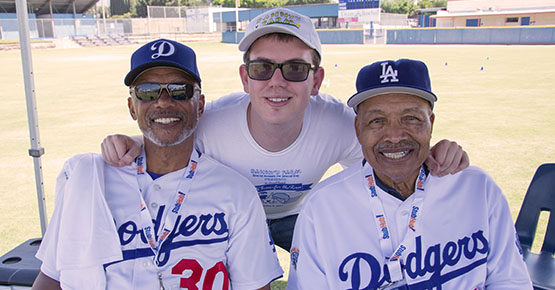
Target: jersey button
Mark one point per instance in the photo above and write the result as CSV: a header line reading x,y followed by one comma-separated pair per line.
x,y
404,212
156,187
154,205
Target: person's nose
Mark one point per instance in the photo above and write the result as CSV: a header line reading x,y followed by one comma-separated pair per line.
x,y
395,132
277,78
165,99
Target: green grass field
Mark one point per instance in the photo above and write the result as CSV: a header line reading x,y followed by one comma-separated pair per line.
x,y
498,102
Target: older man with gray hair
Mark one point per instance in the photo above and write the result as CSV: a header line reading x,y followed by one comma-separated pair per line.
x,y
386,223
173,219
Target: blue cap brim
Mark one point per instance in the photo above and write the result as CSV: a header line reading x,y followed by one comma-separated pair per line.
x,y
360,97
132,75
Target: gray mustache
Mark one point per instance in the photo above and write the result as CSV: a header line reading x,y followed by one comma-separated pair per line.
x,y
401,144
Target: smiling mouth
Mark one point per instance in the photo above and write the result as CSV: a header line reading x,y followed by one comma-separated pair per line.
x,y
277,100
396,155
165,121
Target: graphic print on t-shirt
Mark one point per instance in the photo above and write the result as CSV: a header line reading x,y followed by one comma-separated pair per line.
x,y
278,187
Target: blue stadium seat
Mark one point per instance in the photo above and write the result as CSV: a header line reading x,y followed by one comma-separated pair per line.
x,y
19,266
539,197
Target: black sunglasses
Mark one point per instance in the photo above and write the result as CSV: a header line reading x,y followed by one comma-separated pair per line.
x,y
153,91
293,71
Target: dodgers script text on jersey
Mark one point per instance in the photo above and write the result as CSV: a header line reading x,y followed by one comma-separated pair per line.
x,y
464,239
216,220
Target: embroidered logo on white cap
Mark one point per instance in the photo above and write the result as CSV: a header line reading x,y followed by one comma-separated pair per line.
x,y
281,20
280,17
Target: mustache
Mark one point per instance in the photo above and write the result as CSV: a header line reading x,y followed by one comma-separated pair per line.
x,y
403,144
165,114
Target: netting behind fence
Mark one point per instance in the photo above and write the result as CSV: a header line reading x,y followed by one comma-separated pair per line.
x,y
161,20
166,11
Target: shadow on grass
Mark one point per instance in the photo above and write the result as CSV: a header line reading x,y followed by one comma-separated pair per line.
x,y
278,285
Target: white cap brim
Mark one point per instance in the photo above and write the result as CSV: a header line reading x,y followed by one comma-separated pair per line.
x,y
250,38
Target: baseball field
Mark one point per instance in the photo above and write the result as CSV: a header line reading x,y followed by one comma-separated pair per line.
x,y
498,102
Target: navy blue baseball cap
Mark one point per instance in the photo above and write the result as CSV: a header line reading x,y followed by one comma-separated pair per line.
x,y
163,53
405,76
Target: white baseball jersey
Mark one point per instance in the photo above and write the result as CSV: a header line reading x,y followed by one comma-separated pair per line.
x,y
464,236
282,178
219,239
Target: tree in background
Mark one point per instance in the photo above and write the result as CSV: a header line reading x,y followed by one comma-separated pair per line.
x,y
266,3
120,7
137,8
408,6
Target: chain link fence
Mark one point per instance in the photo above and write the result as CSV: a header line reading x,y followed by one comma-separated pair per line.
x,y
180,21
161,20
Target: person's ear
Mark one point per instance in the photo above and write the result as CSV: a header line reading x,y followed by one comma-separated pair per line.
x,y
356,128
318,79
131,107
244,77
432,118
201,105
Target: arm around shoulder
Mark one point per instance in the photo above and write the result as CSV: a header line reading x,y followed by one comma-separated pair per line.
x,y
121,150
447,157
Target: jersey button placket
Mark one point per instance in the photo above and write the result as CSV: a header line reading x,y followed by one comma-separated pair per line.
x,y
155,187
402,216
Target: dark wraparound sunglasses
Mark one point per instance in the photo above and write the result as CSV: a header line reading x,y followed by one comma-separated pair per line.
x,y
153,91
293,71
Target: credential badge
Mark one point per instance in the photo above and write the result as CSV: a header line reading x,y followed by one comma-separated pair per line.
x,y
162,48
388,73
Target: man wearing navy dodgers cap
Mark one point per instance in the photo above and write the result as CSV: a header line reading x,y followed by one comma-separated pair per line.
x,y
163,52
173,219
387,223
383,78
394,93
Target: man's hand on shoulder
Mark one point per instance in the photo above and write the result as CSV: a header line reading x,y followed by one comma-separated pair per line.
x,y
120,150
447,157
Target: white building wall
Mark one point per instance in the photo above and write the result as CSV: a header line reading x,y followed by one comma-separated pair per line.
x,y
542,19
461,6
536,19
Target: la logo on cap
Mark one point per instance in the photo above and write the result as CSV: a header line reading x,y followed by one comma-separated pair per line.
x,y
387,73
162,48
403,76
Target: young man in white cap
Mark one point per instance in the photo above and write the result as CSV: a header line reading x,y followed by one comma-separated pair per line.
x,y
173,219
386,223
281,132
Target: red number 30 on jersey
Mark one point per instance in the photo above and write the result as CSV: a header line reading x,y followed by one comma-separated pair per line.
x,y
190,283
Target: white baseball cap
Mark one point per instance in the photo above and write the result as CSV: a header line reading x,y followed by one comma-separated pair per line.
x,y
281,20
